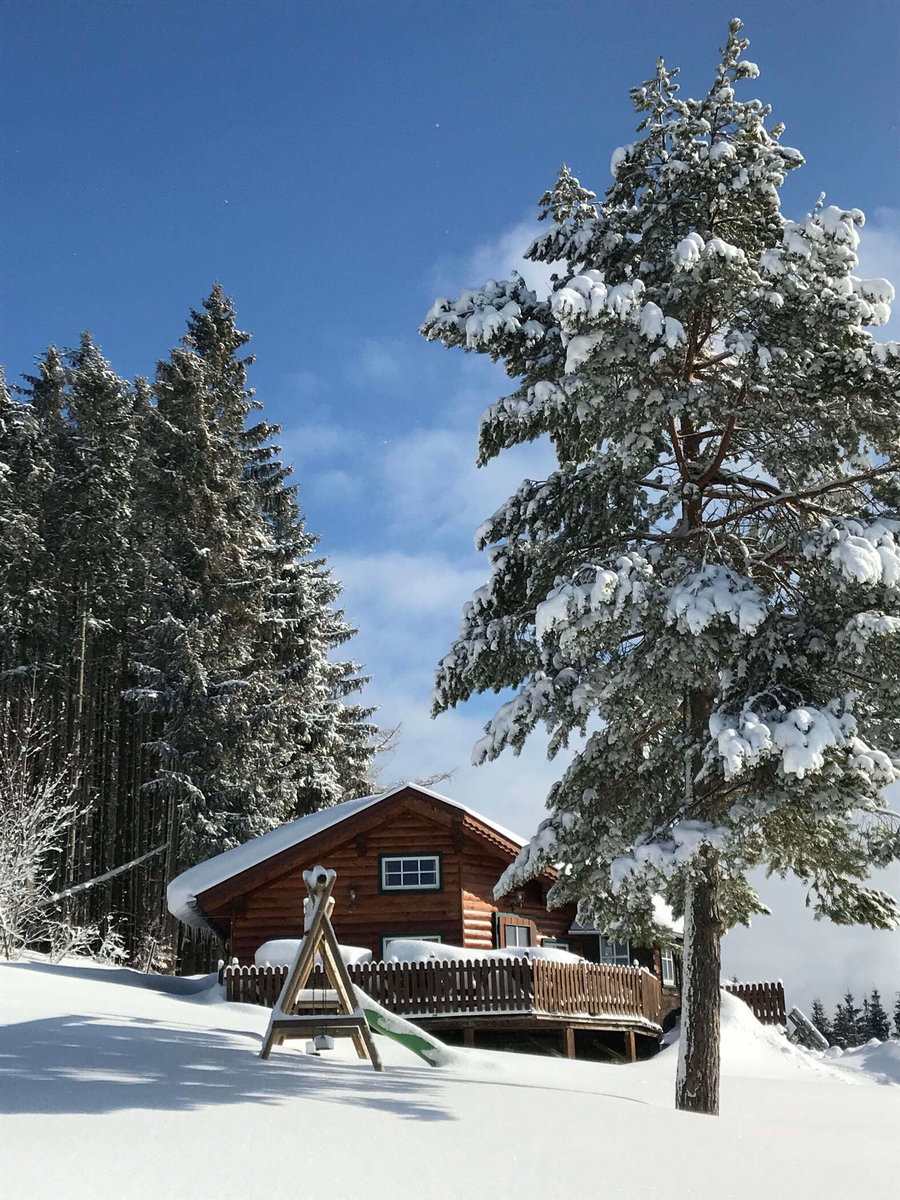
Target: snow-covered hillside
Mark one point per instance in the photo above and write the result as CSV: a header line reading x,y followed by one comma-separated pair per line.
x,y
120,1085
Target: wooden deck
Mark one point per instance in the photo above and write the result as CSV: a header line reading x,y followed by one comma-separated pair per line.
x,y
508,994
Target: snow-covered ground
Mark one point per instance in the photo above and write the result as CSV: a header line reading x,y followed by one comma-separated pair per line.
x,y
118,1085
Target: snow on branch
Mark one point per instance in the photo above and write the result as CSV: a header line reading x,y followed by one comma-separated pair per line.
x,y
866,554
798,738
665,853
715,591
603,595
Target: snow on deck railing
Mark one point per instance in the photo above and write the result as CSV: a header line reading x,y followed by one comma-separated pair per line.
x,y
475,987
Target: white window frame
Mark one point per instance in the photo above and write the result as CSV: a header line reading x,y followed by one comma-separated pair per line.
x,y
616,956
667,966
435,859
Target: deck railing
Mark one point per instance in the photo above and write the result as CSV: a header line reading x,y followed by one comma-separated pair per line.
x,y
765,999
516,985
627,995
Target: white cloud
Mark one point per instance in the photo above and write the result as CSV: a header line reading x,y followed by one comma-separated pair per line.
x,y
379,363
305,443
435,489
395,584
496,258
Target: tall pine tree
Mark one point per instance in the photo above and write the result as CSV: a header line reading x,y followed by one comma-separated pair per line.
x,y
706,592
253,728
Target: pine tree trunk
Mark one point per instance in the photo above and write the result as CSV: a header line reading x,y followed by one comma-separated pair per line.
x,y
697,1085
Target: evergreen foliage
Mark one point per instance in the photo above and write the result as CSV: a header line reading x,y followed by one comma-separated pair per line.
x,y
877,1023
704,597
848,1027
821,1020
164,604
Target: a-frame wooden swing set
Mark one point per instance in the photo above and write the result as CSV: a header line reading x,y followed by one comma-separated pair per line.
x,y
296,1014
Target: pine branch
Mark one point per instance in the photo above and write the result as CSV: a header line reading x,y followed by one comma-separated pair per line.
x,y
790,498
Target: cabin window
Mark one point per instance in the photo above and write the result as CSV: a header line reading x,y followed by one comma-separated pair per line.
x,y
667,960
556,944
513,929
410,872
615,953
516,935
387,938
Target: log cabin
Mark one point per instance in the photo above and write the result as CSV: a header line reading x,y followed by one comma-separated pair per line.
x,y
410,864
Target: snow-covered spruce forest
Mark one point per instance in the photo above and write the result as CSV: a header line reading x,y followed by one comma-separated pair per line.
x,y
170,684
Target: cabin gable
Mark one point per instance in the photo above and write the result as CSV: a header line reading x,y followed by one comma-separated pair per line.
x,y
270,905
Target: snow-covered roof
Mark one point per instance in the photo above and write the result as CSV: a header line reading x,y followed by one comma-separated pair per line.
x,y
184,889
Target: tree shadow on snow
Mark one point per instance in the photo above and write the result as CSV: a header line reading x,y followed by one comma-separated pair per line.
x,y
168,985
76,1064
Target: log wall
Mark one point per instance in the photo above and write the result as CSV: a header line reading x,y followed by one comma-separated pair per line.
x,y
462,912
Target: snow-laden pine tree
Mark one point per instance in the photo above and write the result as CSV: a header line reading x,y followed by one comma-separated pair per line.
x,y
253,724
705,593
74,594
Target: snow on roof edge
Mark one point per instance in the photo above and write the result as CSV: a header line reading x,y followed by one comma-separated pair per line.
x,y
182,892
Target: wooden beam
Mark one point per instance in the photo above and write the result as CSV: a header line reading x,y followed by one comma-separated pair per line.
x,y
630,1047
569,1041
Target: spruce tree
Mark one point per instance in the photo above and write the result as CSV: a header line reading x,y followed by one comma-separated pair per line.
x,y
897,1017
864,1031
878,1025
21,483
705,593
821,1020
848,1030
253,727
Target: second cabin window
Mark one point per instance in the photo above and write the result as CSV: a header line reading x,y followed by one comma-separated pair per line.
x,y
667,961
615,953
411,873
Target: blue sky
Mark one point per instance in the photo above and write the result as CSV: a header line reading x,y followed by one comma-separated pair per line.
x,y
337,166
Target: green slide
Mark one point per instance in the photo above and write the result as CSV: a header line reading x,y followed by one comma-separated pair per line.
x,y
429,1048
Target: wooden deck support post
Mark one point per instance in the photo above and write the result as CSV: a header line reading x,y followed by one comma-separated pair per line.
x,y
469,1036
569,1041
630,1047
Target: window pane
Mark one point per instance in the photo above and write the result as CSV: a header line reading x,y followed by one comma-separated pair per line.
x,y
518,935
411,873
668,967
614,952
